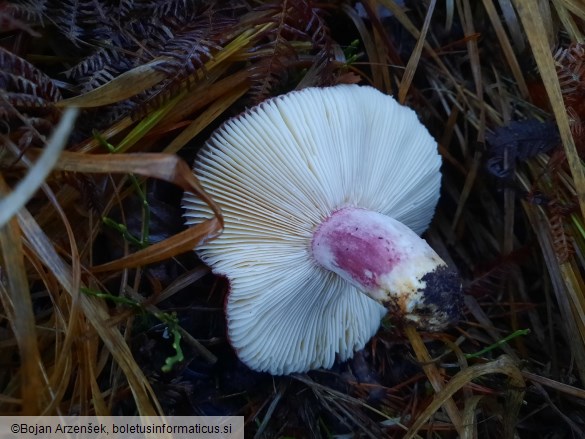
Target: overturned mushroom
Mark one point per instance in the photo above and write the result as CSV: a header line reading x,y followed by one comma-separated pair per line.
x,y
324,192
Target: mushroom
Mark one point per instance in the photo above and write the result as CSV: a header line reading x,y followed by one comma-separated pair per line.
x,y
324,193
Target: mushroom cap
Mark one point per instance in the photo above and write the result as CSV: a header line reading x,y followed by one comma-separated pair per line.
x,y
278,171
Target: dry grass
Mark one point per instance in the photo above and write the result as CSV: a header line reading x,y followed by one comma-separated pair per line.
x,y
94,265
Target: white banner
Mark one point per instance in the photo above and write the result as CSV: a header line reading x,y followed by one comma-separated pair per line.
x,y
127,427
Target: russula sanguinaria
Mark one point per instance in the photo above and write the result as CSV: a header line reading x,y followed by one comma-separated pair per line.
x,y
324,192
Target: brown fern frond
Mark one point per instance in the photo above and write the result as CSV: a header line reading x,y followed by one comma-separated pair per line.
x,y
570,64
517,142
155,98
562,242
268,72
28,102
192,41
69,17
92,119
27,98
9,22
21,76
123,36
293,22
97,77
176,8
102,58
192,45
29,10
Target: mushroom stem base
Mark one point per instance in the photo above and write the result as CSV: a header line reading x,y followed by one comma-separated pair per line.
x,y
390,263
